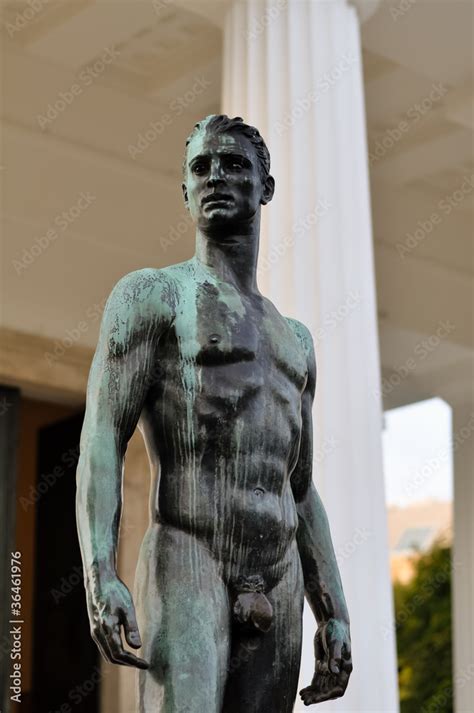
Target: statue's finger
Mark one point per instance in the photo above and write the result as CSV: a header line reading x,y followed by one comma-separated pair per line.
x,y
104,637
320,683
120,655
105,653
130,625
311,696
327,683
307,694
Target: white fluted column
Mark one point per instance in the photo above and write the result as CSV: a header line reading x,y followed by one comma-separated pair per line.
x,y
463,553
293,69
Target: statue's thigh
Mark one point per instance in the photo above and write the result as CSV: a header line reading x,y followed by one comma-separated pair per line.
x,y
264,668
183,613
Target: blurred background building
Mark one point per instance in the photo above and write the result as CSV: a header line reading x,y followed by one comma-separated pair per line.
x,y
367,110
413,530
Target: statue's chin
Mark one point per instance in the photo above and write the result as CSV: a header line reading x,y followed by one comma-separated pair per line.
x,y
219,214
228,219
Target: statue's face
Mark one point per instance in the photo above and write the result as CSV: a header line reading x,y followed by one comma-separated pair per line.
x,y
223,181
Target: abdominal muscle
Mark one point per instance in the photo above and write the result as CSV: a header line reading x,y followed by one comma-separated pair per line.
x,y
248,531
224,476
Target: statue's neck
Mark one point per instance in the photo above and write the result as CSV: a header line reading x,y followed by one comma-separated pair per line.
x,y
230,257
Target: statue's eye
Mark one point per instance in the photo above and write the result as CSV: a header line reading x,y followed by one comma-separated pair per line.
x,y
199,168
236,165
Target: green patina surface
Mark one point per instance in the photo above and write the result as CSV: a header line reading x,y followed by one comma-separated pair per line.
x,y
221,386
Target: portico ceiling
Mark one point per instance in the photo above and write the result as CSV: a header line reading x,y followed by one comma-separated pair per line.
x,y
98,97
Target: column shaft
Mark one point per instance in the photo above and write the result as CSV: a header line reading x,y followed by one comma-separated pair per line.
x,y
293,68
463,556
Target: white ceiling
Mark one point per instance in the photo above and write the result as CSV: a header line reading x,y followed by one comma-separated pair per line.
x,y
166,69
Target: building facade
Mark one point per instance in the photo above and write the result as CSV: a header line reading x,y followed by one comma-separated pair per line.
x,y
368,118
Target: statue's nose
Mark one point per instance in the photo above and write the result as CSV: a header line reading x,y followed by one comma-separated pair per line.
x,y
216,174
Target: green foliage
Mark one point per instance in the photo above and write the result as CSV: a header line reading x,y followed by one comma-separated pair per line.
x,y
423,624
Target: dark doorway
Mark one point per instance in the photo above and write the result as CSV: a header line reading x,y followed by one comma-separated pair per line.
x,y
66,668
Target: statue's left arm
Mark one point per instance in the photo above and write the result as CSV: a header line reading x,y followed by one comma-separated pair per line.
x,y
323,587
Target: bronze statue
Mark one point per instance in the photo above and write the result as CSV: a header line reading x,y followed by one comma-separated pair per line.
x,y
221,386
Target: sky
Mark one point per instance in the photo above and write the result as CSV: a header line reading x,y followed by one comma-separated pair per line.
x,y
417,453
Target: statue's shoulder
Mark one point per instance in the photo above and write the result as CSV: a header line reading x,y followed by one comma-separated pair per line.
x,y
154,290
135,286
303,335
141,305
141,299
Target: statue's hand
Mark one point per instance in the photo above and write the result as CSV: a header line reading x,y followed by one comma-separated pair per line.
x,y
109,609
332,648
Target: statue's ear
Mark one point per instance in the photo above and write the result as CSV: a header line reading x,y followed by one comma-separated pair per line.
x,y
268,190
185,194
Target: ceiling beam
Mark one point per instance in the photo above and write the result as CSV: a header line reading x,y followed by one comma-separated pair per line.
x,y
423,159
418,295
460,107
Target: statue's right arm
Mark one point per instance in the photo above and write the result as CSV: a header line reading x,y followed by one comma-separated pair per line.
x,y
135,316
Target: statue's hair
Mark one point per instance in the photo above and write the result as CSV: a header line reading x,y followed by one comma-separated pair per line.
x,y
220,124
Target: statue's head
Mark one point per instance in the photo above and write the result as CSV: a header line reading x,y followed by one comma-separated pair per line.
x,y
226,172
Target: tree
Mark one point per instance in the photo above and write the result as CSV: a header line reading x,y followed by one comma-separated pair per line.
x,y
423,626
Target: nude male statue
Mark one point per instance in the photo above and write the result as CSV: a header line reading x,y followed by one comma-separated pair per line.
x,y
221,387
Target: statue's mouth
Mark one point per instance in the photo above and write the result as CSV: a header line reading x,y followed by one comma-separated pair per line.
x,y
216,198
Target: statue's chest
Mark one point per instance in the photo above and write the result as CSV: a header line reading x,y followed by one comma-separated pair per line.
x,y
216,327
219,327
